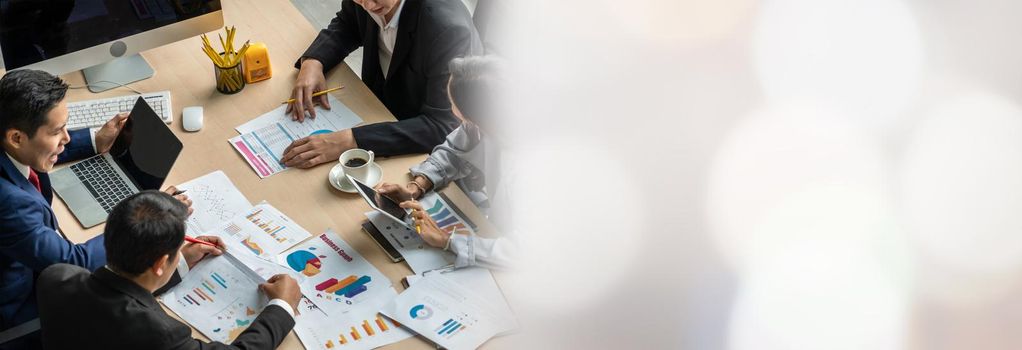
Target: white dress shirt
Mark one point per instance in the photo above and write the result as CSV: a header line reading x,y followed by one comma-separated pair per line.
x,y
388,36
21,167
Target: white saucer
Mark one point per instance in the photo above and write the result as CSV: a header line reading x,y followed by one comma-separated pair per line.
x,y
341,183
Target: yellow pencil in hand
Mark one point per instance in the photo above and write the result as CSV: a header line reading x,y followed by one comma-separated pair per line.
x,y
320,93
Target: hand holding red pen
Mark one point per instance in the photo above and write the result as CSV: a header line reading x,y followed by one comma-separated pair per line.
x,y
195,249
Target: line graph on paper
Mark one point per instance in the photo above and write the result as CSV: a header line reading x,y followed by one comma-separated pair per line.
x,y
214,200
217,205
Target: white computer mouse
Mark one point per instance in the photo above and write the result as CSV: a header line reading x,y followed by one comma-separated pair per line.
x,y
191,118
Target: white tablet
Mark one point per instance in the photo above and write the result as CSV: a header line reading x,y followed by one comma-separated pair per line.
x,y
381,203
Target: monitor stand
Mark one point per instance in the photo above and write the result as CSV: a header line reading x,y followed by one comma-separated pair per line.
x,y
122,70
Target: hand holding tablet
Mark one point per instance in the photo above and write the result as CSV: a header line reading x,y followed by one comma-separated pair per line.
x,y
381,203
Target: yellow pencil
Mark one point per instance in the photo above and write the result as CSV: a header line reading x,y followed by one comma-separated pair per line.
x,y
315,94
418,229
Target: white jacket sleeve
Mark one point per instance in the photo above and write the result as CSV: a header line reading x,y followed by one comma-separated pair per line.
x,y
491,253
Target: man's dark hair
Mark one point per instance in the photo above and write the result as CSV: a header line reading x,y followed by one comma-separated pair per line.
x,y
26,96
143,228
475,82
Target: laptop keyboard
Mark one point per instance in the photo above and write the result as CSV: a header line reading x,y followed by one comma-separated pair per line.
x,y
102,182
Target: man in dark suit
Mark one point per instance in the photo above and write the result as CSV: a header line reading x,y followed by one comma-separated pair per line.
x,y
114,308
33,120
407,46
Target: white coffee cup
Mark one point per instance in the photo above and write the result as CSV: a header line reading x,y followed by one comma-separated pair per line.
x,y
360,171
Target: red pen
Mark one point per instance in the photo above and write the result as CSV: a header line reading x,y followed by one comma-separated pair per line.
x,y
193,240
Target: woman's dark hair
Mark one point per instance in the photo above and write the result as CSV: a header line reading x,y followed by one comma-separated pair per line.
x,y
475,83
26,96
143,228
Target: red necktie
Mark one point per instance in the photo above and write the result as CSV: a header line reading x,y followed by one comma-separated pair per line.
x,y
34,179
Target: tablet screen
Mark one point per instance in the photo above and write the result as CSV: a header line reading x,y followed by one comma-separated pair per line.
x,y
382,202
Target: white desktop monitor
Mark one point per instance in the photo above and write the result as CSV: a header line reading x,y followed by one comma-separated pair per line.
x,y
100,37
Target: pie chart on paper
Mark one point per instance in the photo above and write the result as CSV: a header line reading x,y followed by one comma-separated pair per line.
x,y
421,312
305,262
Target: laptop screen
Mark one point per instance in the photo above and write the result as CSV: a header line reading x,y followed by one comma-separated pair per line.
x,y
146,148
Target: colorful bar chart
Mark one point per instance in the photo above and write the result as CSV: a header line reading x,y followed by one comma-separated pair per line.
x,y
349,287
209,287
365,330
219,279
445,217
270,227
449,328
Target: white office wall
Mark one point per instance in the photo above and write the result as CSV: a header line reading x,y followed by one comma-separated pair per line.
x,y
770,174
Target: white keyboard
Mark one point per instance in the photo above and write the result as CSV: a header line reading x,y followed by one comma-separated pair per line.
x,y
95,113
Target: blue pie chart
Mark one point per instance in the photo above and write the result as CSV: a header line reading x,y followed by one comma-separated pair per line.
x,y
420,312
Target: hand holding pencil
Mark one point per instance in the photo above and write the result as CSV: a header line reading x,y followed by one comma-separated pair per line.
x,y
314,94
428,230
310,80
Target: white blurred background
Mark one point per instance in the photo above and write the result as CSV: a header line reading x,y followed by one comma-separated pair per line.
x,y
767,174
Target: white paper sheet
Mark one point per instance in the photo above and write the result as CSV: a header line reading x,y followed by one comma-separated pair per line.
x,y
445,312
265,268
219,297
263,140
480,281
338,278
214,200
262,231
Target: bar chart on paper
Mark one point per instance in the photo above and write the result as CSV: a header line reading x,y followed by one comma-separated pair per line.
x,y
361,331
338,279
217,297
263,230
445,217
362,328
450,328
446,313
208,287
367,331
348,287
270,226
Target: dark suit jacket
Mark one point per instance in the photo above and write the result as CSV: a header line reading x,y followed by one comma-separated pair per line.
x,y
29,241
102,310
429,34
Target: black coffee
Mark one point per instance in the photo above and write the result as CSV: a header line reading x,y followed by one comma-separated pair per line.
x,y
355,162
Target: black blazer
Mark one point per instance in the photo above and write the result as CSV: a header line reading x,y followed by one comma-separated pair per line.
x,y
429,34
102,310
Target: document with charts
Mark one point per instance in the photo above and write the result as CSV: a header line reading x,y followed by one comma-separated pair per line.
x,y
338,279
214,200
480,281
220,297
262,230
362,328
263,140
446,313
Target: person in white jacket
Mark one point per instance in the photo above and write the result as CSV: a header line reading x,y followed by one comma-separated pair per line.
x,y
472,160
